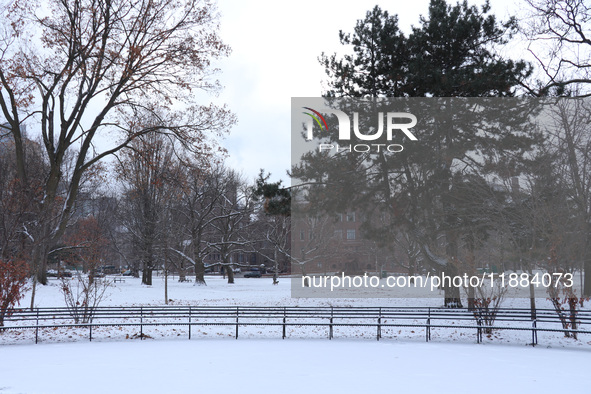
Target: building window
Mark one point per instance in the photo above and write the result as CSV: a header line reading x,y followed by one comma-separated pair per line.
x,y
351,234
338,234
351,217
339,217
302,235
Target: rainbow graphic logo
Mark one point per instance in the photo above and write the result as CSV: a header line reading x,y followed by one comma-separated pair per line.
x,y
315,115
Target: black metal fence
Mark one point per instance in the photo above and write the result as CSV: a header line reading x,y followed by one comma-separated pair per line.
x,y
376,319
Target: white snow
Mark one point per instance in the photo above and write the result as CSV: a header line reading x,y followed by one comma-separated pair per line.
x,y
246,291
289,366
260,362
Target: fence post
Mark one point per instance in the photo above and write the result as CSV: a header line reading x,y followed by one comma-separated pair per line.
x,y
379,333
479,331
237,310
37,327
284,318
141,323
90,332
534,333
330,332
189,322
428,328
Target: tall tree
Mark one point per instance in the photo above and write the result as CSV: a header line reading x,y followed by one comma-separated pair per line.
x,y
18,206
149,175
233,212
452,53
77,69
570,143
275,220
379,64
204,189
559,40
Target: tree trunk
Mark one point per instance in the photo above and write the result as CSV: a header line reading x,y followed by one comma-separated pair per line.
x,y
587,263
572,305
230,272
306,281
276,266
165,286
41,264
451,293
452,297
166,277
471,268
33,291
532,296
199,272
39,260
471,298
147,276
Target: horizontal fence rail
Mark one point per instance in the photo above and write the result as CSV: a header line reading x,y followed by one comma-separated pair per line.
x,y
375,318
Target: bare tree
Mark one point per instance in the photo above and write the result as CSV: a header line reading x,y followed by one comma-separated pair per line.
x,y
232,219
78,70
84,292
204,189
487,302
570,144
18,206
13,280
274,220
313,237
150,177
272,234
559,39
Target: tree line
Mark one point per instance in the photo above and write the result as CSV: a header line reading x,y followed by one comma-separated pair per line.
x,y
127,72
500,174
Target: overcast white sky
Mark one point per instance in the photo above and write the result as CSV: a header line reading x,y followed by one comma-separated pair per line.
x,y
275,46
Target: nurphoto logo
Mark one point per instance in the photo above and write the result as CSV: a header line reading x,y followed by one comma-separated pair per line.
x,y
395,122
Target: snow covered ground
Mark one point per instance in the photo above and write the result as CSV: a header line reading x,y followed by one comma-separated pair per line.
x,y
261,292
290,366
246,291
213,362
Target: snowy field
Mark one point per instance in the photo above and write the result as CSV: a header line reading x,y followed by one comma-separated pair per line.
x,y
246,291
292,366
259,362
261,292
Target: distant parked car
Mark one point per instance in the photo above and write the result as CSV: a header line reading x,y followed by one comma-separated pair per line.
x,y
58,274
253,274
108,269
